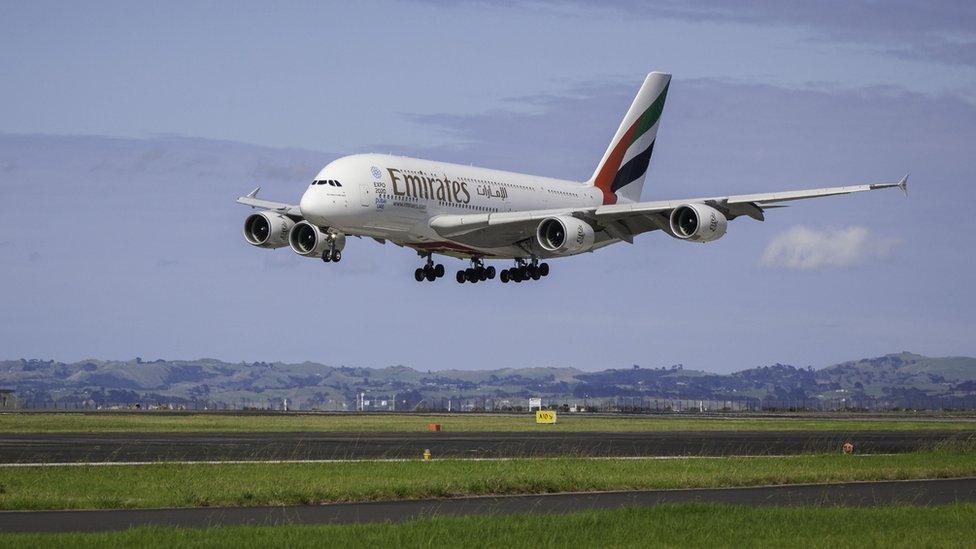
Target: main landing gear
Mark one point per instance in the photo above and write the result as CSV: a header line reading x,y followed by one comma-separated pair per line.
x,y
523,271
477,272
429,271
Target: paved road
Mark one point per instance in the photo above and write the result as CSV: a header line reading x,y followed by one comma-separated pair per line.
x,y
918,492
102,447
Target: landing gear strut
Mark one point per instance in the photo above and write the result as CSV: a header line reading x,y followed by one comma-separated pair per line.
x,y
337,241
523,271
429,271
477,272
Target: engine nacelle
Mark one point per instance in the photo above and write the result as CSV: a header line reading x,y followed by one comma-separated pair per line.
x,y
564,235
698,223
267,229
310,241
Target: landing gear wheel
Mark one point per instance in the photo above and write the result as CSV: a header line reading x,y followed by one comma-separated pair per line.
x,y
418,274
490,271
326,256
482,274
470,275
515,274
504,276
544,269
336,256
439,270
460,277
431,275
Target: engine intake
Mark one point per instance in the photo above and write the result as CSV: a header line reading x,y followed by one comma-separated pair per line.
x,y
310,241
267,229
698,223
564,235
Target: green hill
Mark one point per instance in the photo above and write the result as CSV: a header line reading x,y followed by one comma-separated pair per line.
x,y
902,379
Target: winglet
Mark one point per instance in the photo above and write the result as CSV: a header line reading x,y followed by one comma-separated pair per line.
x,y
903,184
254,193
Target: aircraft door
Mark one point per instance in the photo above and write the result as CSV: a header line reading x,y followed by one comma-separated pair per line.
x,y
365,198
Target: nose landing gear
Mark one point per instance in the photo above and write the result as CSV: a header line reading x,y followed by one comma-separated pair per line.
x,y
337,241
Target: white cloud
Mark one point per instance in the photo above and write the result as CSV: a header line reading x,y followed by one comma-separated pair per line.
x,y
807,248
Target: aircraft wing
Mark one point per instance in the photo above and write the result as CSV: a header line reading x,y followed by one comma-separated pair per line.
x,y
251,199
623,221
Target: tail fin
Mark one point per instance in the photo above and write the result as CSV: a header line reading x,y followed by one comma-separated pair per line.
x,y
624,165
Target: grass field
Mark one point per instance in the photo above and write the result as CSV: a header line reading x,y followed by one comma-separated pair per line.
x,y
172,485
691,525
168,422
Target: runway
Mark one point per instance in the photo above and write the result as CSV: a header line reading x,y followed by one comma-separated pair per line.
x,y
917,492
268,446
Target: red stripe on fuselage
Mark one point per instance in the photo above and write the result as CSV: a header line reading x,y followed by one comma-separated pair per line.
x,y
446,247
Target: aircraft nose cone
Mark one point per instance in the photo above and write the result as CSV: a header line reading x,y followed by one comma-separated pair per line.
x,y
307,204
314,207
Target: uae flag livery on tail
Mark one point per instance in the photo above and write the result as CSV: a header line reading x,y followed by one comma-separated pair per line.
x,y
621,172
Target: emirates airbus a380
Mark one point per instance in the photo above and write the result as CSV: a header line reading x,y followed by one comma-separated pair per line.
x,y
479,214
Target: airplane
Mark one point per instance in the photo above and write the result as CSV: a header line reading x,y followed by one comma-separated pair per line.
x,y
478,214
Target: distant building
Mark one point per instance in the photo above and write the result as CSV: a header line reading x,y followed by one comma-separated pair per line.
x,y
8,401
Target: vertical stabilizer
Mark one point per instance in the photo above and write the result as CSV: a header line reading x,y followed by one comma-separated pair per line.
x,y
621,173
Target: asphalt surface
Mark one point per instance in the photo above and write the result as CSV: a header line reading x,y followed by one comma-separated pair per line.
x,y
139,447
916,492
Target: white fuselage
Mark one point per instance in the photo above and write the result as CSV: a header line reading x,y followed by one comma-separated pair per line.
x,y
477,213
394,198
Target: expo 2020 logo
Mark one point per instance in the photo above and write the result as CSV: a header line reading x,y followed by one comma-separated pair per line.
x,y
376,172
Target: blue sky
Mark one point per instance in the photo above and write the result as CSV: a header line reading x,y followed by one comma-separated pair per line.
x,y
127,130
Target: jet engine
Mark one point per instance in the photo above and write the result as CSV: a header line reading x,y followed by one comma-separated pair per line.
x,y
267,229
564,235
310,241
697,223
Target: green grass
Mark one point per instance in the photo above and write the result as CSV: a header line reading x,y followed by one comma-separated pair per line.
x,y
691,525
169,422
173,485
